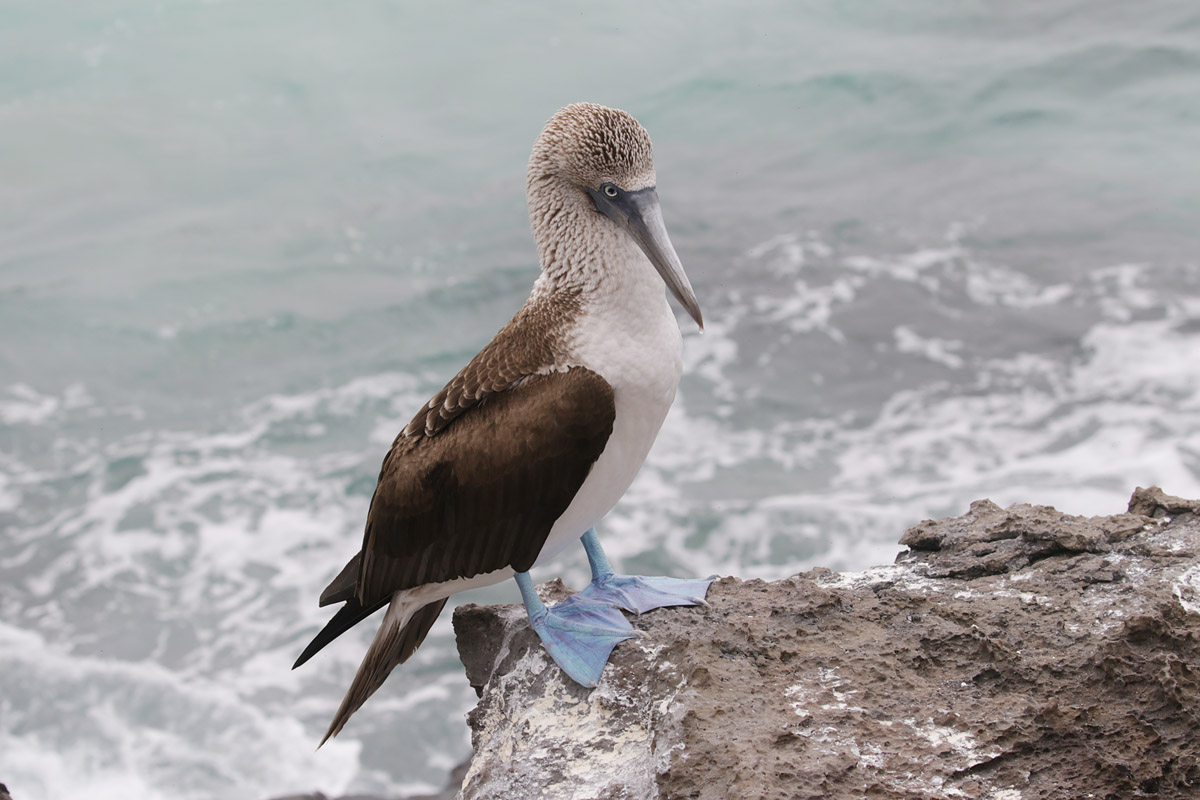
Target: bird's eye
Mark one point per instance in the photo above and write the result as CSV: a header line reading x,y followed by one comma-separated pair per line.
x,y
610,190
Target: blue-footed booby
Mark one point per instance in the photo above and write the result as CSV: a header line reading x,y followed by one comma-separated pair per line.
x,y
539,436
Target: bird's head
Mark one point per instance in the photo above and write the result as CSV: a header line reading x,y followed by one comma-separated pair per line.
x,y
604,156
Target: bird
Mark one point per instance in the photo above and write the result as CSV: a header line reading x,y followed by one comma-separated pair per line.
x,y
542,432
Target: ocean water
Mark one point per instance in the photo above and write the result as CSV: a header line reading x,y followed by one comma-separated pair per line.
x,y
945,251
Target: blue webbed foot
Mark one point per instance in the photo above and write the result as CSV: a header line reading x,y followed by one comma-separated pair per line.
x,y
578,633
636,593
640,594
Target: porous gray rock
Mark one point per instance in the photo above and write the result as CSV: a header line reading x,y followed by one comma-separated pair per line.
x,y
1009,654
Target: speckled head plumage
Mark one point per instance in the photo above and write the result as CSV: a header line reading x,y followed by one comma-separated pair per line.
x,y
591,181
589,145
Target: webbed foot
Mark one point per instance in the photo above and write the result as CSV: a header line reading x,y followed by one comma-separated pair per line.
x,y
640,594
579,633
634,592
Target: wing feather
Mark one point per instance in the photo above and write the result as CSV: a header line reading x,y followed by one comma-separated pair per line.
x,y
484,493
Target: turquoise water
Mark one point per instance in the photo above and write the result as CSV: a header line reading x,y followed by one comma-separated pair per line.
x,y
944,251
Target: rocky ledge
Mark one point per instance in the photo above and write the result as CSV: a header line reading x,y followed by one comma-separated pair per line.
x,y
1009,654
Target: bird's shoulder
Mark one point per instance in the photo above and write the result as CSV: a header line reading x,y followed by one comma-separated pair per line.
x,y
530,344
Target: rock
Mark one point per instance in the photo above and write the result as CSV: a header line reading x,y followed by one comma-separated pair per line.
x,y
1009,654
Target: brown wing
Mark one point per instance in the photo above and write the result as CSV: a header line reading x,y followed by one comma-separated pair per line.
x,y
483,493
478,477
480,495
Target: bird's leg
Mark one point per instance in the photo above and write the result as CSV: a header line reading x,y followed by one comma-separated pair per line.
x,y
579,633
634,592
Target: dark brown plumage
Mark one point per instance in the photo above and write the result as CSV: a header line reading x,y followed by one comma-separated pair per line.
x,y
494,460
481,493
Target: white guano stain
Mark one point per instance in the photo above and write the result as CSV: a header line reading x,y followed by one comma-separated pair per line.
x,y
1186,589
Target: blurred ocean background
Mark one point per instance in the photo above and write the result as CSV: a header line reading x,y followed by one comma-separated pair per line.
x,y
945,251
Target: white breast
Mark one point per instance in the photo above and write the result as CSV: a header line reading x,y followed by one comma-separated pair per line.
x,y
631,339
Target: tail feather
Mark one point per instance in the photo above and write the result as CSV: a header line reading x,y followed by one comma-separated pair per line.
x,y
399,636
346,618
342,587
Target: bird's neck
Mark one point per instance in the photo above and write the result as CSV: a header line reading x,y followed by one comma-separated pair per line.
x,y
583,253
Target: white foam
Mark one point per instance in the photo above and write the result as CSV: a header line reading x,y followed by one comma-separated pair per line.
x,y
25,406
939,351
106,746
227,541
1023,427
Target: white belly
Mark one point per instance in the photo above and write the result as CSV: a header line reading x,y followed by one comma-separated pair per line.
x,y
640,355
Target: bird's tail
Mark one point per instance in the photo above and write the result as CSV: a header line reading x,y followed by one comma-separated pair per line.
x,y
404,627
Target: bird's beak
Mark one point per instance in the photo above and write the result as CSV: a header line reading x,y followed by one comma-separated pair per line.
x,y
639,214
